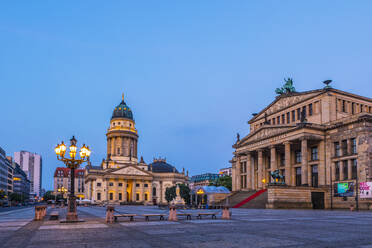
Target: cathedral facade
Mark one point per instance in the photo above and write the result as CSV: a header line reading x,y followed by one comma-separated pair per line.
x,y
121,177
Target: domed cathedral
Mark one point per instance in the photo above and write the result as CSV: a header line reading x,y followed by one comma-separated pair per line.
x,y
121,137
121,178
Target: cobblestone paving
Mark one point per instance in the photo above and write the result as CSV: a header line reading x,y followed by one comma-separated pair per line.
x,y
247,228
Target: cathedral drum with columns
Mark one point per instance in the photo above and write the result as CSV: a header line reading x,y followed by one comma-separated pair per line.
x,y
318,143
121,178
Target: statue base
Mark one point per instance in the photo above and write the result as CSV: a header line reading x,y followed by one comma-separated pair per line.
x,y
178,201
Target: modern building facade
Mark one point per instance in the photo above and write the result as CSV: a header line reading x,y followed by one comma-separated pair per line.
x,y
226,171
31,163
318,141
62,180
121,177
21,184
203,179
6,184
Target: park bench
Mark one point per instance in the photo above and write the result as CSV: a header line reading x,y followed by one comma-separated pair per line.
x,y
54,215
147,216
199,216
130,216
188,215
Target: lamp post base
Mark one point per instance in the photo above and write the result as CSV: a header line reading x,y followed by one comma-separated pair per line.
x,y
72,217
71,209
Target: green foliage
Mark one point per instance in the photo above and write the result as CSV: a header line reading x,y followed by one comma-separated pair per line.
x,y
2,194
170,193
16,197
225,181
49,195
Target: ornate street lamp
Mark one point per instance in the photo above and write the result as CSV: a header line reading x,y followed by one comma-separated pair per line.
x,y
72,163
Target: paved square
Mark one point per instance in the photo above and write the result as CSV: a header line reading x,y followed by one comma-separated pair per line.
x,y
247,228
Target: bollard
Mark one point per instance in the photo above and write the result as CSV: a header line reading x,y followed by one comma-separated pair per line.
x,y
172,214
110,214
38,213
225,213
44,211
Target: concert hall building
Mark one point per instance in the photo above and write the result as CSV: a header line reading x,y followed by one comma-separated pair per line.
x,y
320,141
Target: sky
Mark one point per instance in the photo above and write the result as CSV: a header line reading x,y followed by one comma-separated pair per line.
x,y
193,72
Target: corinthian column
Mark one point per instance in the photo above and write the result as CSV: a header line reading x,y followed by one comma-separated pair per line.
x,y
288,165
304,167
273,161
260,169
249,171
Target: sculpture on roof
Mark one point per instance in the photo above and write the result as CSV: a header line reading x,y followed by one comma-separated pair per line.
x,y
287,87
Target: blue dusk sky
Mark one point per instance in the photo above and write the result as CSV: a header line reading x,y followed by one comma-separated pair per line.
x,y
193,72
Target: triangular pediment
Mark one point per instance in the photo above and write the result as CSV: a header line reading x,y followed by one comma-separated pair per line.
x,y
265,132
285,101
130,170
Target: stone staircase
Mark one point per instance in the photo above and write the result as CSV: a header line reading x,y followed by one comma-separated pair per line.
x,y
248,199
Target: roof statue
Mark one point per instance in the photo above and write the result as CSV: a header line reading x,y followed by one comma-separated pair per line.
x,y
327,82
237,137
287,87
266,121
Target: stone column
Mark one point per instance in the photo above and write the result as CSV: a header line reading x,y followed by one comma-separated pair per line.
x,y
341,169
333,168
304,167
116,188
348,147
134,189
321,165
238,174
161,192
249,171
253,175
142,196
150,191
125,190
112,146
260,169
108,147
288,165
273,161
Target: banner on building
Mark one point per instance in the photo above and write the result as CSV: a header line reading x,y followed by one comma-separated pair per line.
x,y
344,189
365,189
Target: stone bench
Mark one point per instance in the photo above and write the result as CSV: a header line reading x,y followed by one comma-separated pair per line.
x,y
40,212
199,215
130,216
147,216
188,215
54,215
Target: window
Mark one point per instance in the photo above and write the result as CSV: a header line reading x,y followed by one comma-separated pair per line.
x,y
137,197
298,114
298,176
146,197
278,119
337,171
120,197
288,118
137,184
344,147
293,115
111,184
98,196
353,108
345,169
298,157
353,146
343,106
354,168
310,109
314,153
120,184
314,175
283,118
146,185
337,148
273,121
304,110
154,191
111,196
361,108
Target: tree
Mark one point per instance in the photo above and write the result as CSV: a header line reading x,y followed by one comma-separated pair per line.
x,y
49,195
225,181
170,193
2,194
16,197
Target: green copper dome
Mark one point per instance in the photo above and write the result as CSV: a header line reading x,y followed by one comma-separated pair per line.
x,y
122,111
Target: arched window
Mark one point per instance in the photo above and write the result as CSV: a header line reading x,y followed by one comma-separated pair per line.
x,y
154,191
118,151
